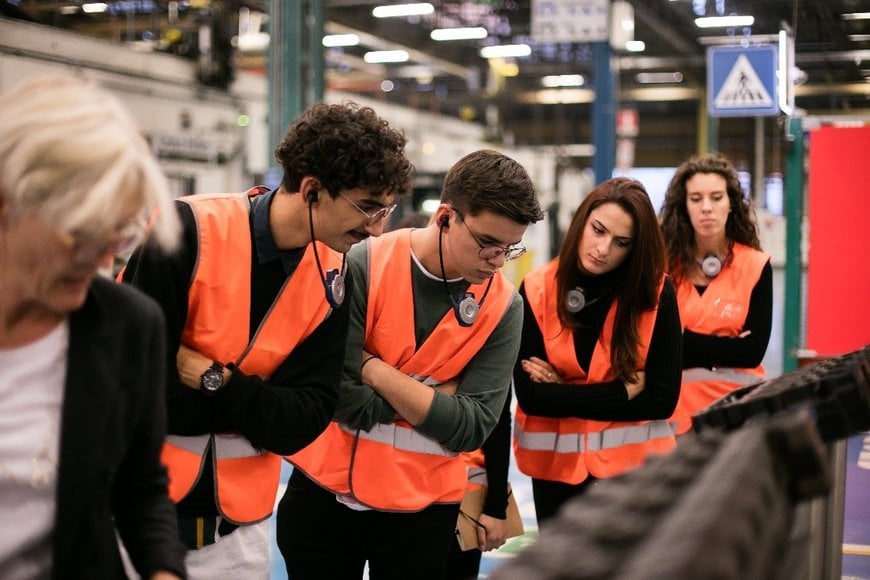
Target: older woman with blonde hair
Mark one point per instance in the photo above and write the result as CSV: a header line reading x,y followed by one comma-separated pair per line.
x,y
82,415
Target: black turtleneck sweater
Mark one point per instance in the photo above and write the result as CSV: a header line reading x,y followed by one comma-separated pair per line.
x,y
605,401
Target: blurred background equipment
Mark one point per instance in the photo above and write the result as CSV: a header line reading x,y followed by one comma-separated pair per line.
x,y
735,500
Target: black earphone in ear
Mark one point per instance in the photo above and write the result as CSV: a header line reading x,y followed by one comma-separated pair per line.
x,y
445,221
311,196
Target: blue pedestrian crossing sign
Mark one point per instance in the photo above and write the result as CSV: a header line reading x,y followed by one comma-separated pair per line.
x,y
741,81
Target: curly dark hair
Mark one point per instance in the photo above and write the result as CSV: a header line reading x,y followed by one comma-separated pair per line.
x,y
345,146
641,273
676,225
487,180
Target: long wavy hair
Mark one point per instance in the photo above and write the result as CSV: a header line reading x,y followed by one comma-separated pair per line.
x,y
640,275
676,225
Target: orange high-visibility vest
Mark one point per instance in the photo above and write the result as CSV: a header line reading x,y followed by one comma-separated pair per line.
x,y
392,467
217,326
571,449
720,311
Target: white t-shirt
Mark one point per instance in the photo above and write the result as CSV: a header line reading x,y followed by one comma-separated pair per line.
x,y
32,379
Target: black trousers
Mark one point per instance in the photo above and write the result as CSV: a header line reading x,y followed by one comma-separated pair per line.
x,y
322,538
551,495
462,565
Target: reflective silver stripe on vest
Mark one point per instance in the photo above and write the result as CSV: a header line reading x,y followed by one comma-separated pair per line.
x,y
549,441
233,446
619,436
428,381
698,374
607,439
477,475
196,444
401,438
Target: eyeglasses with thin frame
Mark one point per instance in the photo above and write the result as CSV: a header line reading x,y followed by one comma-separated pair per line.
x,y
373,218
490,251
88,248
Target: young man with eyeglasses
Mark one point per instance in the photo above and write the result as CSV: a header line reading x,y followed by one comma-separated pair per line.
x,y
434,333
257,319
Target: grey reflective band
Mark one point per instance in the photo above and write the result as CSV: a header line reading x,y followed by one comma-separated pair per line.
x,y
699,374
549,441
428,381
401,438
196,444
234,446
477,475
611,438
607,439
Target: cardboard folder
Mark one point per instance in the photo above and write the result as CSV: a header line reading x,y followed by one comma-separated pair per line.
x,y
469,516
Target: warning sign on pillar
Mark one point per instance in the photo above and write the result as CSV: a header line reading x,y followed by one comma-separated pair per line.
x,y
624,154
627,122
741,81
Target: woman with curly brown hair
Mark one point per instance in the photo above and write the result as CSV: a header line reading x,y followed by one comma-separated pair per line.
x,y
724,282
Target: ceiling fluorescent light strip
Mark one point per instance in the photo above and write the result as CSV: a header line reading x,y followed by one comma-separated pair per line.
x,y
382,56
723,21
332,40
398,10
459,33
649,78
94,7
856,16
553,81
505,51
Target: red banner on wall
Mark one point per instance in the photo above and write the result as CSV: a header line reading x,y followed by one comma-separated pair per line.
x,y
838,267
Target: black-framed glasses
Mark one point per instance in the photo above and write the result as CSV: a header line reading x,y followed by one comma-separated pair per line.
x,y
490,251
373,218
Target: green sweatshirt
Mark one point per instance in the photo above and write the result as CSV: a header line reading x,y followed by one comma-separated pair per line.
x,y
461,422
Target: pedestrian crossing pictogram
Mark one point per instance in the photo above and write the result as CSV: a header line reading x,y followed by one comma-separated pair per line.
x,y
742,88
741,81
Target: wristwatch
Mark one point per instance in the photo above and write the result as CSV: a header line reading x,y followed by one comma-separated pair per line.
x,y
212,379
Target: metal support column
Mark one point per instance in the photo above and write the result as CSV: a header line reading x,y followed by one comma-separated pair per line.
x,y
757,187
825,521
295,61
712,134
703,126
794,266
603,111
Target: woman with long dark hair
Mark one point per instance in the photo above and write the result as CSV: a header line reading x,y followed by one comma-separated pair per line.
x,y
598,370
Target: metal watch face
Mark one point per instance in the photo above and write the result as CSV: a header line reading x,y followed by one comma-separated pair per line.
x,y
212,380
